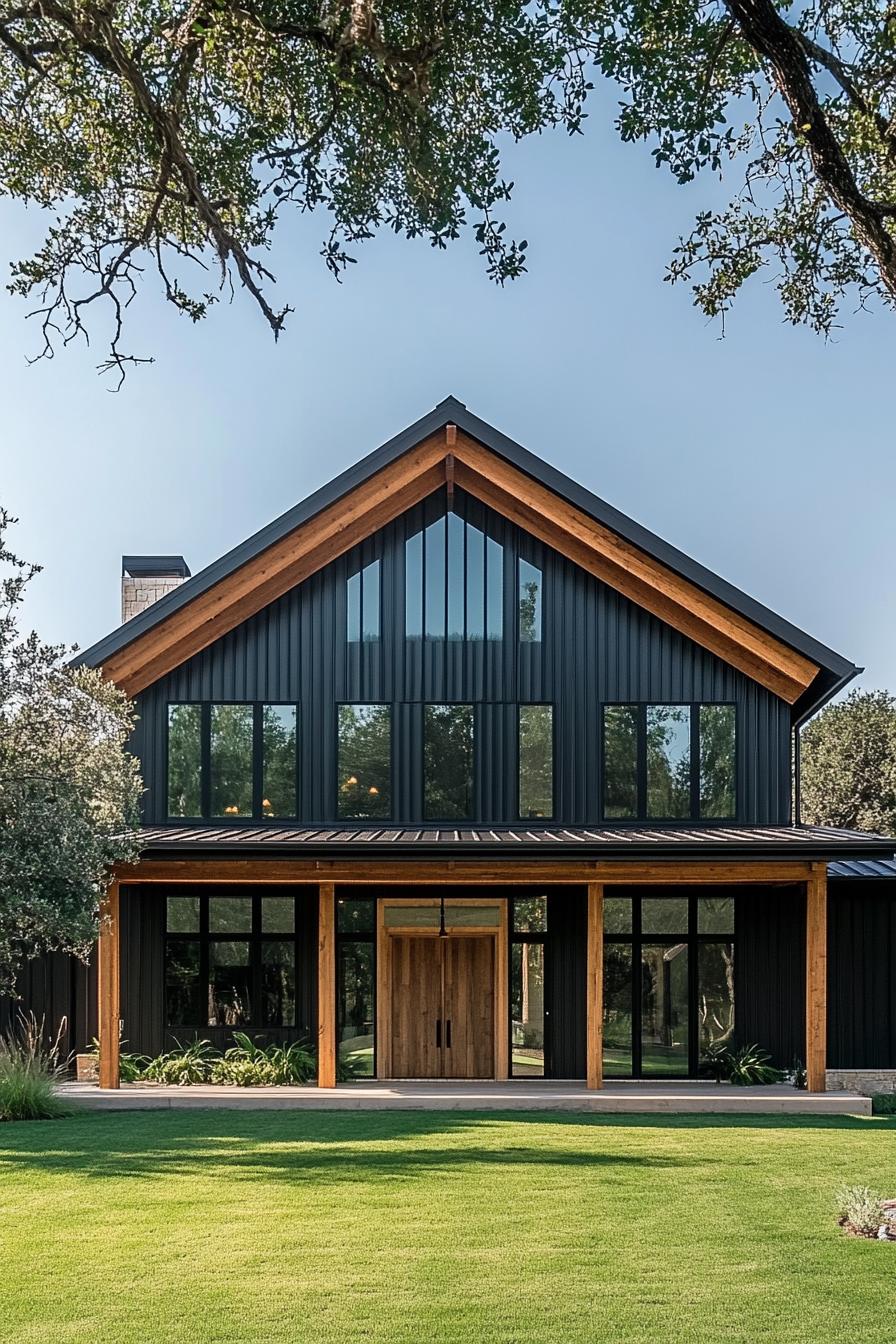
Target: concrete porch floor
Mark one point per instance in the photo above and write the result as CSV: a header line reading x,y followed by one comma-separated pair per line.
x,y
687,1097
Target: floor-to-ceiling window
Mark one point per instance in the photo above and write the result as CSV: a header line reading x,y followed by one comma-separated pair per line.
x,y
355,983
668,982
528,948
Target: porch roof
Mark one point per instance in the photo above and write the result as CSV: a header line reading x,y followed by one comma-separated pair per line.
x,y
798,842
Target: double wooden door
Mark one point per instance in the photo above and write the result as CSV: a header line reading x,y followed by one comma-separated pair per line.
x,y
443,1007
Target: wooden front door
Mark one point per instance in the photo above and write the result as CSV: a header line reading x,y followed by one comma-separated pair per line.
x,y
443,1007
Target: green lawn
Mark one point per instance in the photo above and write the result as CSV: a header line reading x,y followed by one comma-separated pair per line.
x,y
417,1228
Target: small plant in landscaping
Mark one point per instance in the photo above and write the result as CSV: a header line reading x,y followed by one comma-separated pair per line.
x,y
246,1064
186,1064
131,1067
747,1066
883,1103
861,1210
31,1064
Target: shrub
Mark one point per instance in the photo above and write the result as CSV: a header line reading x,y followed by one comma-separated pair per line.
x,y
747,1066
31,1064
246,1064
131,1068
860,1209
883,1103
186,1064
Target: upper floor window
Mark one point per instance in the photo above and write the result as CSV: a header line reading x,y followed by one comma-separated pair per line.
x,y
536,758
232,760
365,761
362,603
669,762
448,762
454,582
529,602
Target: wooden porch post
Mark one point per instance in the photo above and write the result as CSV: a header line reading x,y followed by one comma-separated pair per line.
x,y
817,977
326,986
595,986
109,987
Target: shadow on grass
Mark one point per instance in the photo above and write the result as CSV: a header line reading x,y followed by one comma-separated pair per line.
x,y
346,1146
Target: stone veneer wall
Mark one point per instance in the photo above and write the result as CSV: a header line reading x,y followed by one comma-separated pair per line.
x,y
138,594
864,1082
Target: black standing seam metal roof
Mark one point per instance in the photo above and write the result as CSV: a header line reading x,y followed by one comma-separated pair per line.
x,y
880,869
814,842
836,671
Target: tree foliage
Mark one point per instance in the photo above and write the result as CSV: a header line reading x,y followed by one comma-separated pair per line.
x,y
69,791
173,134
848,775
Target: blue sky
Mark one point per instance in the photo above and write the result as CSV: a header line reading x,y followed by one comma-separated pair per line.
x,y
768,455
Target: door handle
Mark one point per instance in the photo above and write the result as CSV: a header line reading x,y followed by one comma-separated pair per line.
x,y
448,1033
438,1033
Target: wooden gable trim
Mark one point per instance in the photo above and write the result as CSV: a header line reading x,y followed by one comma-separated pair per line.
x,y
450,456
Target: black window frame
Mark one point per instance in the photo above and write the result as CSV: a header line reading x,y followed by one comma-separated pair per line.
x,y
549,816
642,816
543,938
365,704
369,938
256,938
449,823
446,636
205,764
362,573
692,939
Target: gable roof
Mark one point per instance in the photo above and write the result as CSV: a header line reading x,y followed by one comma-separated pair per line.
x,y
451,444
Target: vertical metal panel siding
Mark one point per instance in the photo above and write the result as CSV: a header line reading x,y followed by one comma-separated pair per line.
x,y
770,972
56,986
597,647
143,969
861,982
566,983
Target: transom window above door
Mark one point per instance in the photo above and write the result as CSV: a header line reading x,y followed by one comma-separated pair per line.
x,y
232,761
454,582
669,762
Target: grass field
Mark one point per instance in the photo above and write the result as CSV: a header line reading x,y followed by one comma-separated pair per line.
x,y
429,1228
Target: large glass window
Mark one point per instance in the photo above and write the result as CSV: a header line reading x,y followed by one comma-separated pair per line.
x,y
447,762
669,762
362,604
365,762
668,982
529,602
454,582
620,761
528,955
278,761
355,984
185,760
536,761
232,761
231,961
717,761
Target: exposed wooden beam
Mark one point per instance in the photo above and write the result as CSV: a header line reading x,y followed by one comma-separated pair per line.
x,y
326,986
445,458
595,987
817,978
109,986
368,870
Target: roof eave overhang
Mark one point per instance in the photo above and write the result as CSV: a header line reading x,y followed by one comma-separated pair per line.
x,y
450,441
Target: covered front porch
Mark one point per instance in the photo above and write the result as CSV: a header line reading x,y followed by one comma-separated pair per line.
x,y
418,885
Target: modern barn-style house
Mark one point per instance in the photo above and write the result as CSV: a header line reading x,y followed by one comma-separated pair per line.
x,y
460,773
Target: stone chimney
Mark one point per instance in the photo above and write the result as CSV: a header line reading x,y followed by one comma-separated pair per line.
x,y
146,578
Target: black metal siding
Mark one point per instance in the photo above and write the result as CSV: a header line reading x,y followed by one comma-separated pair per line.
x,y
770,972
597,647
566,983
861,980
56,986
